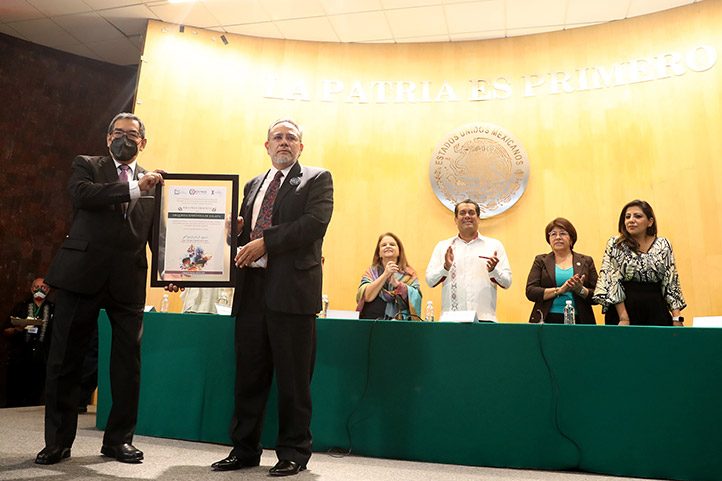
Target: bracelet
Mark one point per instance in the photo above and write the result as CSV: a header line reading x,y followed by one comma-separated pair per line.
x,y
556,292
623,319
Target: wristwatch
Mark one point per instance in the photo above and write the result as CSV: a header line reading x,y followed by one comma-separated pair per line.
x,y
679,319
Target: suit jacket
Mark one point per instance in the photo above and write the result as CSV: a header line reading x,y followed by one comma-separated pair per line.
x,y
542,276
104,246
301,213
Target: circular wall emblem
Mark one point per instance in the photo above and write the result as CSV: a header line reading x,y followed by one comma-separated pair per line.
x,y
479,161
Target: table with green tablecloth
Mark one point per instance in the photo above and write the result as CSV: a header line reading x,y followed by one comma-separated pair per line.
x,y
630,401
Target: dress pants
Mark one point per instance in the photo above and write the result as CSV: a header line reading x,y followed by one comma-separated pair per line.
x,y
266,340
76,318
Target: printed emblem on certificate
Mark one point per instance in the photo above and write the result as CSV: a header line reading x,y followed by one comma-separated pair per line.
x,y
194,239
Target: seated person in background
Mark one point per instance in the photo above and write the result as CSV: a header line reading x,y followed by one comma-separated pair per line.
x,y
561,275
638,281
389,288
206,299
28,347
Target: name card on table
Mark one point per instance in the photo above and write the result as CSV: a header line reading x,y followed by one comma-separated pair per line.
x,y
459,316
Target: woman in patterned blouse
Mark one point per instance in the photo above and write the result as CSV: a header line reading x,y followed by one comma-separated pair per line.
x,y
638,282
389,288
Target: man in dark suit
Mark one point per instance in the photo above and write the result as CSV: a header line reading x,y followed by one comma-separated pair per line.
x,y
278,293
101,265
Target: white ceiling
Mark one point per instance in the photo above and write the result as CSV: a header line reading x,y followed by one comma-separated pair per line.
x,y
111,30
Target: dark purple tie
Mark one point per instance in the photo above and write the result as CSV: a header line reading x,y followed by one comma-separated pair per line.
x,y
124,171
266,212
123,177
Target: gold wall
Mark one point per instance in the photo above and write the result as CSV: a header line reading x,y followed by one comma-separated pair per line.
x,y
653,134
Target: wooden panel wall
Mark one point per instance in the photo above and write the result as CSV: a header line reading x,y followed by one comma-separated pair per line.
x,y
54,106
591,150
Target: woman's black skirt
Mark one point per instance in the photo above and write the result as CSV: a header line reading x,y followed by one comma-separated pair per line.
x,y
645,305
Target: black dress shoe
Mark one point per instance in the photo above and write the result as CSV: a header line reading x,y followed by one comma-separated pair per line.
x,y
52,455
285,467
231,463
125,453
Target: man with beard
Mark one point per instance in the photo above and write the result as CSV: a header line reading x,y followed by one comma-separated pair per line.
x,y
101,265
278,293
470,266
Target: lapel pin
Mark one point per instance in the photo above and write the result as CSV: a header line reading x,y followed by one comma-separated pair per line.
x,y
294,181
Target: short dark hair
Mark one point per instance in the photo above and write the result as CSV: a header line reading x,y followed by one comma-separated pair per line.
x,y
624,237
561,223
467,201
127,115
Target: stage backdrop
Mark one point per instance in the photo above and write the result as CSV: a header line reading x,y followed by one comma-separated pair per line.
x,y
608,113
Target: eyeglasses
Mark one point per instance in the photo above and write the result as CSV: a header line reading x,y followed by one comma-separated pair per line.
x,y
290,138
131,134
561,233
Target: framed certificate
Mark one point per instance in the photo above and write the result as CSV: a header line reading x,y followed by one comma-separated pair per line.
x,y
194,237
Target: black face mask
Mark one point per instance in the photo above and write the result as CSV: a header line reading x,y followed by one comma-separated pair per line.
x,y
123,149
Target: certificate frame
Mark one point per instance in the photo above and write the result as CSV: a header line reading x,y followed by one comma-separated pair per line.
x,y
192,245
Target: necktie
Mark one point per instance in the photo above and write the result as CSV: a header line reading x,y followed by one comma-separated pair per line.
x,y
264,216
123,177
124,171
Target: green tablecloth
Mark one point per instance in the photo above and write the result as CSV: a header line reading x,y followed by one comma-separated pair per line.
x,y
633,401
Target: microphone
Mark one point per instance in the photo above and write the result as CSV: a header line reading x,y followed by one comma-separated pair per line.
x,y
541,316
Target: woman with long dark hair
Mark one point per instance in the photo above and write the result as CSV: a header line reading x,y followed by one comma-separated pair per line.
x,y
638,281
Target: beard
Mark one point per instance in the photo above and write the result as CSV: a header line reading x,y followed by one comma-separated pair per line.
x,y
284,160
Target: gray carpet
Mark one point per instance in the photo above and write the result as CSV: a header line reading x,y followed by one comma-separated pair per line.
x,y
21,437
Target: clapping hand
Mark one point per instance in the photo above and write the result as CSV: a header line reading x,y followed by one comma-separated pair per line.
x,y
492,262
574,284
391,269
449,258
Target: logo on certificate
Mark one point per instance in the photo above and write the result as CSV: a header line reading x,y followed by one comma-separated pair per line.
x,y
480,161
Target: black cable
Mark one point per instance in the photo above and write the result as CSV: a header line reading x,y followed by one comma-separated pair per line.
x,y
339,452
556,398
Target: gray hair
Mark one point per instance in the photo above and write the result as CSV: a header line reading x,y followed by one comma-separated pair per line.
x,y
127,115
283,121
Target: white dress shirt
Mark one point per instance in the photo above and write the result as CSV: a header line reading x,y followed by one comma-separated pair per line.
x,y
468,285
258,202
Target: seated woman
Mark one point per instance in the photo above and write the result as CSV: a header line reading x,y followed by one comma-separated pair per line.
x,y
389,289
638,281
560,275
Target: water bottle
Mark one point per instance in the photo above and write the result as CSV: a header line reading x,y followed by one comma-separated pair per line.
x,y
429,312
324,309
222,299
569,313
164,303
